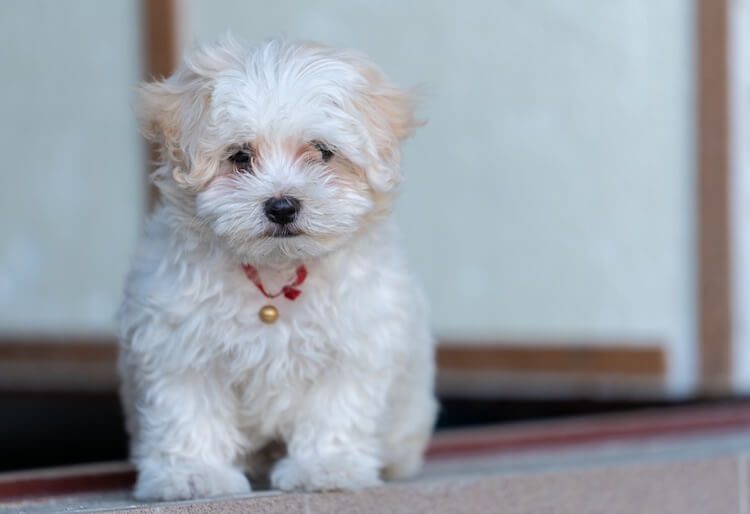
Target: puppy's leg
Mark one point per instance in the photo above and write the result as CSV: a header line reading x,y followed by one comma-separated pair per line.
x,y
187,444
412,418
411,408
333,444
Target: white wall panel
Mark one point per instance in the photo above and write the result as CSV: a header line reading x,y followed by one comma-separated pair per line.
x,y
72,162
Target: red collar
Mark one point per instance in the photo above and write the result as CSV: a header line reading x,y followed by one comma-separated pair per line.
x,y
290,291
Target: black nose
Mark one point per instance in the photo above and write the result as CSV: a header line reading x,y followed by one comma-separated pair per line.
x,y
282,210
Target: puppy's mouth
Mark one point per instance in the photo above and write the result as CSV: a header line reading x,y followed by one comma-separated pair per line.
x,y
283,232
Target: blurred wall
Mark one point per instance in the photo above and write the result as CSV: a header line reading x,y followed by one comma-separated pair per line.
x,y
72,162
551,195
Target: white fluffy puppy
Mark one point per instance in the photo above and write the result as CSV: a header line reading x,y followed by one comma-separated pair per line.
x,y
279,167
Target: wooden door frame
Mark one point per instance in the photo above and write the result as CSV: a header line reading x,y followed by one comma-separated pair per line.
x,y
714,294
162,42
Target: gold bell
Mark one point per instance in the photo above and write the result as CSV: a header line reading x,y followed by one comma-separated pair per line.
x,y
268,314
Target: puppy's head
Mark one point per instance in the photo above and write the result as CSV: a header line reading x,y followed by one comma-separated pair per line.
x,y
285,152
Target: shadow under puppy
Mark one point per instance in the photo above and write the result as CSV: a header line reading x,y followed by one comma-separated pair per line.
x,y
268,300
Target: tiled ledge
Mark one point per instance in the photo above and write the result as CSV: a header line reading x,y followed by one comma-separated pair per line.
x,y
680,462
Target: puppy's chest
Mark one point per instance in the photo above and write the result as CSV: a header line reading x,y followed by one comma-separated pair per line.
x,y
273,366
297,346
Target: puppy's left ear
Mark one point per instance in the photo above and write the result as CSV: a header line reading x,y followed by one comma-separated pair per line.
x,y
388,112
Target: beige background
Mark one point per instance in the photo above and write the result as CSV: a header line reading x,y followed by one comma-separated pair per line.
x,y
72,162
551,195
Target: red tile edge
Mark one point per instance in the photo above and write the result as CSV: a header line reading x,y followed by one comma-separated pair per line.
x,y
592,430
446,445
53,486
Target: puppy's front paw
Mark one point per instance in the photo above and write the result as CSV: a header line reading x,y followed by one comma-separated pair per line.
x,y
187,482
324,475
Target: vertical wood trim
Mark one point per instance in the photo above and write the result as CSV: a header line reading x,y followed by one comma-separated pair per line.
x,y
161,44
160,32
715,294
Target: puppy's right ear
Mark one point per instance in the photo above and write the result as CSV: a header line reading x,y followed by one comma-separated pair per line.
x,y
173,112
159,114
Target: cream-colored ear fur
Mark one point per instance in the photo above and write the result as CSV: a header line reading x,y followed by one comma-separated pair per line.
x,y
389,114
173,112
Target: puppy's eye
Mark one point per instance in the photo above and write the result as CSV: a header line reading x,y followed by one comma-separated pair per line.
x,y
326,153
242,160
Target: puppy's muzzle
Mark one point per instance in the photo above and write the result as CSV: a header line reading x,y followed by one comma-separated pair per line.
x,y
282,210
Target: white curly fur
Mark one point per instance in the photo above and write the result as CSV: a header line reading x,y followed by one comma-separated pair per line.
x,y
344,378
